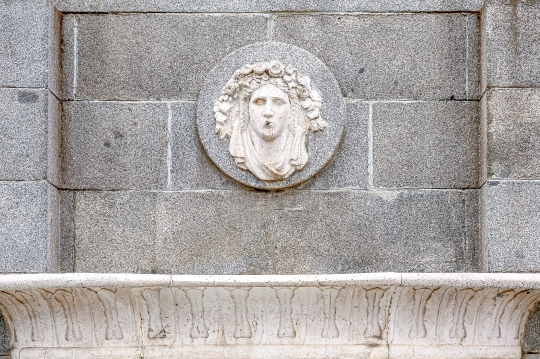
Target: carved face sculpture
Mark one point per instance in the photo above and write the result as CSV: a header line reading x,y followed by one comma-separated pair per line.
x,y
268,110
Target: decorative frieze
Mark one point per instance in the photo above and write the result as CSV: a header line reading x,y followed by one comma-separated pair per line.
x,y
354,316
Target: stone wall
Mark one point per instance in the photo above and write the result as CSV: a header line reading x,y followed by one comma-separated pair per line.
x,y
103,170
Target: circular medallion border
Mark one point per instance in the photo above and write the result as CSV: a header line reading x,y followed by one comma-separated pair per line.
x,y
321,146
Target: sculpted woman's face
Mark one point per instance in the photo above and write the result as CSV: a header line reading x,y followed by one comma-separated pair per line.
x,y
269,110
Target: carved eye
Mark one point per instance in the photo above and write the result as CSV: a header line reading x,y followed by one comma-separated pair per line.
x,y
259,101
279,102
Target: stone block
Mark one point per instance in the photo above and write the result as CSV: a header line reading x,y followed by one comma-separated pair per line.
x,y
303,232
511,43
214,232
28,218
265,6
190,166
426,144
513,133
423,56
66,249
152,56
359,231
114,145
531,333
24,43
114,232
5,336
349,168
23,134
510,221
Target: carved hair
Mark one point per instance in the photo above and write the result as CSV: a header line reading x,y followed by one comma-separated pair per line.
x,y
232,106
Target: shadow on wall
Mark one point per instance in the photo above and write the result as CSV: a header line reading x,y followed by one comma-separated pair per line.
x,y
531,334
5,336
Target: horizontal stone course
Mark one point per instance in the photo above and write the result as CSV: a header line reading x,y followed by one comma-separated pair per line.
x,y
293,232
24,43
511,43
152,56
28,226
114,145
263,6
23,134
423,56
426,144
513,133
511,218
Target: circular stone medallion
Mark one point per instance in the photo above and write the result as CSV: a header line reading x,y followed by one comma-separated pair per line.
x,y
270,115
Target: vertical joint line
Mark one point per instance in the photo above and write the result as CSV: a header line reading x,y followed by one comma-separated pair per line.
x,y
169,145
75,54
466,57
270,28
370,146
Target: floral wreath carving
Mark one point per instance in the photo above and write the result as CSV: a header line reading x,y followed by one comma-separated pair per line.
x,y
250,77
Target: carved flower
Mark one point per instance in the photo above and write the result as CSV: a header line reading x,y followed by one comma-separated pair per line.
x,y
289,70
230,88
259,67
304,92
246,70
275,69
302,80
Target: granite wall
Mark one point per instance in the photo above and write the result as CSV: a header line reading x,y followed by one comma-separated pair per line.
x,y
102,169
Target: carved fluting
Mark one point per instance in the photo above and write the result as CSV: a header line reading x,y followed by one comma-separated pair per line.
x,y
458,322
73,329
28,303
373,298
286,327
240,296
108,299
501,300
462,299
155,324
198,327
330,329
418,329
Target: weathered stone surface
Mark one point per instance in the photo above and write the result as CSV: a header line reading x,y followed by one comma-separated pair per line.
x,y
24,43
513,133
264,6
28,227
426,144
154,56
114,232
66,255
5,336
511,43
114,145
349,169
23,134
358,231
511,218
438,59
301,232
190,166
214,232
531,333
322,145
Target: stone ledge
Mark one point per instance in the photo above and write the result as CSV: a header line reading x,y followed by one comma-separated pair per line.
x,y
380,315
264,6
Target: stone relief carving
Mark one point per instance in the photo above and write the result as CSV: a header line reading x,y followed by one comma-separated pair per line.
x,y
224,317
268,109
